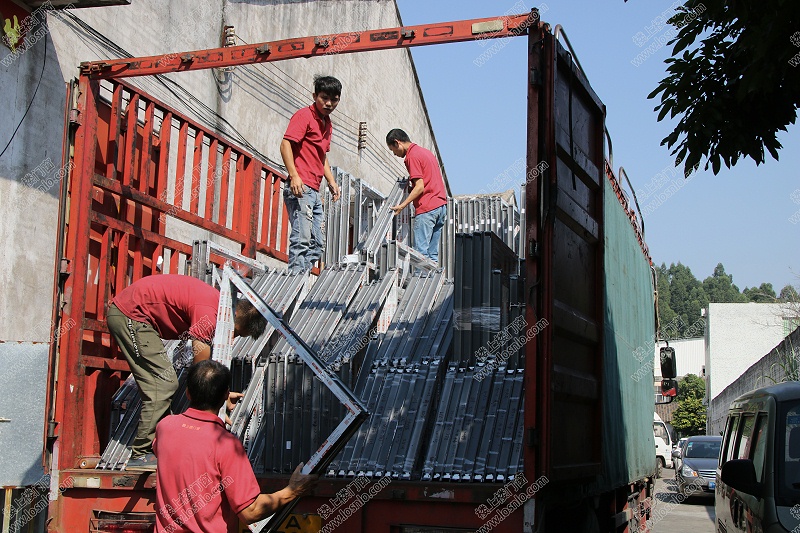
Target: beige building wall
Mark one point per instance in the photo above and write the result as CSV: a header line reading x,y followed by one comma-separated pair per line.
x,y
250,104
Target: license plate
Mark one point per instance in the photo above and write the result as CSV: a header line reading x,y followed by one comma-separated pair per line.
x,y
712,484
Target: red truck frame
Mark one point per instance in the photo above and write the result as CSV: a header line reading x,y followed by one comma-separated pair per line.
x,y
113,216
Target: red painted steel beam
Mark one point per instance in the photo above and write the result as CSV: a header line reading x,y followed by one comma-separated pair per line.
x,y
339,43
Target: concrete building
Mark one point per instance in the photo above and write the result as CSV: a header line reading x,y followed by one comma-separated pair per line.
x,y
690,358
782,363
250,105
738,335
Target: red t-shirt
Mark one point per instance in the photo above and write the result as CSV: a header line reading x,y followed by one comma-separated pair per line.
x,y
204,477
310,134
174,305
422,164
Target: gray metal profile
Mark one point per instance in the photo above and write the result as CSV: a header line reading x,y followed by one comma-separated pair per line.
x,y
444,386
350,219
278,288
497,213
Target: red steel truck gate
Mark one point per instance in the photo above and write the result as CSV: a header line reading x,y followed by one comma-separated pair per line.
x,y
114,217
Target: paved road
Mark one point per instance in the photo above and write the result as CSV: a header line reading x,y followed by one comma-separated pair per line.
x,y
695,515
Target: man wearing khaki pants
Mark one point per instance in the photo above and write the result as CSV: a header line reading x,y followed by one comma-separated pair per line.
x,y
166,306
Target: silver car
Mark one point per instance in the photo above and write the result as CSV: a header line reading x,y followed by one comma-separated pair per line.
x,y
697,473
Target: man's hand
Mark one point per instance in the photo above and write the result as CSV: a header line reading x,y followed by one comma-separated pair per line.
x,y
296,185
267,504
397,209
334,189
233,399
301,484
230,405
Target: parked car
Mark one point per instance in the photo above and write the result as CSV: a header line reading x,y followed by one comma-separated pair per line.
x,y
698,472
677,453
759,474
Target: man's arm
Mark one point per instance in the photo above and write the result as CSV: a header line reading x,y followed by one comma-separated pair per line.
x,y
416,192
267,504
295,183
332,185
201,351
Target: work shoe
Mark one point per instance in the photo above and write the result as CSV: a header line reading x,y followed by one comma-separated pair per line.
x,y
143,463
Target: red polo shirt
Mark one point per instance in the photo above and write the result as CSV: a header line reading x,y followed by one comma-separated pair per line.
x,y
310,134
204,477
174,305
422,164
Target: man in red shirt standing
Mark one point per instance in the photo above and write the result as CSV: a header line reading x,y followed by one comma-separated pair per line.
x,y
206,480
166,306
427,193
304,150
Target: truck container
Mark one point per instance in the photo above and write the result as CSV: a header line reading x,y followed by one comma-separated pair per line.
x,y
584,436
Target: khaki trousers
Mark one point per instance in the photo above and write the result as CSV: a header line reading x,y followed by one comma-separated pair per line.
x,y
152,370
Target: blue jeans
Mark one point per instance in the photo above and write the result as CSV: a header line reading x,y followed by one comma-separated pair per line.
x,y
306,240
428,231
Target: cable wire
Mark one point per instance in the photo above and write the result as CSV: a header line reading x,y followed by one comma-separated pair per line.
x,y
33,97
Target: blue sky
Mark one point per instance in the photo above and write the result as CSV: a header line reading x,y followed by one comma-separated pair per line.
x,y
742,217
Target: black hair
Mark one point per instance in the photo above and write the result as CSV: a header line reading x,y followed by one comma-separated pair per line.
x,y
397,135
208,384
251,322
328,85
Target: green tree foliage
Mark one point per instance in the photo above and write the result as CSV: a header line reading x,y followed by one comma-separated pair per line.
x,y
690,416
732,80
788,294
691,386
719,288
665,312
687,296
762,295
681,297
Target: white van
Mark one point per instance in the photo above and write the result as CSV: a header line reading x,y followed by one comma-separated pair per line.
x,y
664,440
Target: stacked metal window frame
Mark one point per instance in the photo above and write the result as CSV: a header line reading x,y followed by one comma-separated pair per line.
x,y
273,384
479,414
356,412
276,287
349,220
398,382
488,212
370,246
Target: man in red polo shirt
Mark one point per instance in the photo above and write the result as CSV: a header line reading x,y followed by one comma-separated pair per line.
x,y
166,306
205,479
427,192
304,150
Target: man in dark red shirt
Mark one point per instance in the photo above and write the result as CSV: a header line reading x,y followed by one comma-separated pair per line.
x,y
304,150
166,306
205,479
427,193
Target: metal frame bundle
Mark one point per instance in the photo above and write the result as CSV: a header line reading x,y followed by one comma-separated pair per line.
x,y
478,427
276,287
398,382
351,218
283,404
490,212
483,298
381,230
